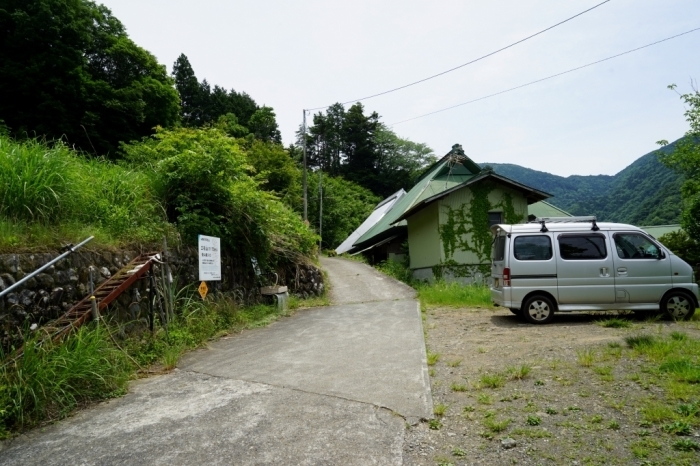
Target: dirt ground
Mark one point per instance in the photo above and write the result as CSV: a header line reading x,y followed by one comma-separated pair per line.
x,y
580,403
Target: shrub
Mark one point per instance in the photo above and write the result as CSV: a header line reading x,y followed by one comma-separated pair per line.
x,y
208,187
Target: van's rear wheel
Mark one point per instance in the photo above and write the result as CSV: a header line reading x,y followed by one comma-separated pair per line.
x,y
678,305
538,309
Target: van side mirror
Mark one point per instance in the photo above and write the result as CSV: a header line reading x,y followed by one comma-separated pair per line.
x,y
662,255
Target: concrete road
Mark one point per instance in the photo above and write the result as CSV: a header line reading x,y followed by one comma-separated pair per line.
x,y
333,385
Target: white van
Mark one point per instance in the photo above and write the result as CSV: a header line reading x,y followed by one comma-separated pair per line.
x,y
576,264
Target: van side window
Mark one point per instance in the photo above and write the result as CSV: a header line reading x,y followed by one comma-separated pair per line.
x,y
635,246
499,248
582,247
532,248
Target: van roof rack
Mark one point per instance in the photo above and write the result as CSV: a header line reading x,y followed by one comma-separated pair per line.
x,y
543,220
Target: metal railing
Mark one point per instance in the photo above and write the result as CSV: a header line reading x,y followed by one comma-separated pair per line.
x,y
71,249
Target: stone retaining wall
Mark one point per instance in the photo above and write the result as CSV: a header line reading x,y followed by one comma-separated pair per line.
x,y
52,292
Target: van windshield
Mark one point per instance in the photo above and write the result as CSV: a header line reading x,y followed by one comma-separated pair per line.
x,y
499,248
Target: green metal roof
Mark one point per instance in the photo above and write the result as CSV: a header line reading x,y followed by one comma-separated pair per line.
x,y
545,209
659,230
531,194
452,170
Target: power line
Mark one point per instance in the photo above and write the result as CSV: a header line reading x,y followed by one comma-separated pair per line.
x,y
468,63
544,79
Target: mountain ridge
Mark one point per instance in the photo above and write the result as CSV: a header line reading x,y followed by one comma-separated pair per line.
x,y
643,193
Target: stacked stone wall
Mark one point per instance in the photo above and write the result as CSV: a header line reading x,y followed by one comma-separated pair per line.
x,y
51,293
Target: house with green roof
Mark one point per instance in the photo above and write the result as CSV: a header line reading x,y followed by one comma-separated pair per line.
x,y
446,218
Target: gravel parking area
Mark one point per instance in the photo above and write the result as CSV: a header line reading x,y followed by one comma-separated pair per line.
x,y
570,393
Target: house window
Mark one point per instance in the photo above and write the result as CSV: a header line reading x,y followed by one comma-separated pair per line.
x,y
495,218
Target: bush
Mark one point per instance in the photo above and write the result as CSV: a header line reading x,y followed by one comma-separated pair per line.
x,y
683,246
208,187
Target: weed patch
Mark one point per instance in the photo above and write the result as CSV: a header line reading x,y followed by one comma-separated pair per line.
x,y
454,295
614,322
492,380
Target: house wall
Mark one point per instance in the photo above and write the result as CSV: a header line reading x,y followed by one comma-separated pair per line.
x,y
459,264
423,238
461,200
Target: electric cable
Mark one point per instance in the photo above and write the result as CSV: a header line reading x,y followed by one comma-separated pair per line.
x,y
465,64
544,79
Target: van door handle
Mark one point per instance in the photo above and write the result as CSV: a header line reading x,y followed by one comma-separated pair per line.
x,y
622,271
604,272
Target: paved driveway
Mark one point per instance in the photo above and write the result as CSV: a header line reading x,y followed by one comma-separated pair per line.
x,y
331,385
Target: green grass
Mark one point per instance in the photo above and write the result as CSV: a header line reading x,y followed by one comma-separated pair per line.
x,y
519,373
614,322
456,387
454,295
50,195
433,358
586,357
439,409
492,380
496,426
51,380
397,270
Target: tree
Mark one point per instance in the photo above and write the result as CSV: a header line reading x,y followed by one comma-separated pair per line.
x,y
683,246
399,161
187,86
359,146
345,206
362,149
264,125
69,70
685,158
275,169
203,105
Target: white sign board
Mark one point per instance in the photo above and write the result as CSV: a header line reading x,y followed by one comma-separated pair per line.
x,y
209,258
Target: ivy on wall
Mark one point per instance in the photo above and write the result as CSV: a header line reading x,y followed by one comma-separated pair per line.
x,y
467,227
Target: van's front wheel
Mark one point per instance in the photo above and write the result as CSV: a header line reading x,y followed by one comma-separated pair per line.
x,y
538,310
678,305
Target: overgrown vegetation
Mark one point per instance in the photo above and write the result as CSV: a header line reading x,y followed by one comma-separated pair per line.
x,y
207,184
94,363
50,194
454,294
684,158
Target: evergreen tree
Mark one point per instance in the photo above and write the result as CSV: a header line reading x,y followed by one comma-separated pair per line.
x,y
187,86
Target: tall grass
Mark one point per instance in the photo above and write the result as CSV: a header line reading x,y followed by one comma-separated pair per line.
x,y
398,270
50,380
50,192
440,292
454,294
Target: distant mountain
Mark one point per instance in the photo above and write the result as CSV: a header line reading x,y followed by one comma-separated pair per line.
x,y
644,193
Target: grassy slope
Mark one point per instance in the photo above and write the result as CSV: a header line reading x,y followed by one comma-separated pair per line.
x,y
51,195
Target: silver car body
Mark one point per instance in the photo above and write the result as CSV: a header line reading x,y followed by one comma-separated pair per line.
x,y
617,266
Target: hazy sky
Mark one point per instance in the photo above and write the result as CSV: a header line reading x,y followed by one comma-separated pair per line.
x,y
293,55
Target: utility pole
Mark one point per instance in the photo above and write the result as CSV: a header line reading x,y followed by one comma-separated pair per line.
x,y
320,210
306,201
